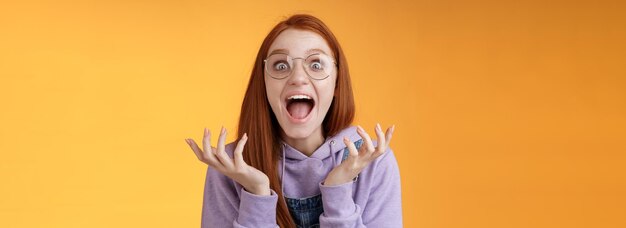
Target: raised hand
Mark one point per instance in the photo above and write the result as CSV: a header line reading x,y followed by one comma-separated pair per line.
x,y
252,179
358,160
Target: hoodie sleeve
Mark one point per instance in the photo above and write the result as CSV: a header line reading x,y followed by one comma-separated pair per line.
x,y
227,204
384,204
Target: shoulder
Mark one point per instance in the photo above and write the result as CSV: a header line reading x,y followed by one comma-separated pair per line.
x,y
387,160
383,170
230,148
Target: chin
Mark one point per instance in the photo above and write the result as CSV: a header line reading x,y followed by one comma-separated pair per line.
x,y
301,132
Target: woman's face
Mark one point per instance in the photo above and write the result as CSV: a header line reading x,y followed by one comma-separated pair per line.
x,y
300,116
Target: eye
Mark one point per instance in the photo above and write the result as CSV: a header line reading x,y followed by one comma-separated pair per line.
x,y
316,66
281,66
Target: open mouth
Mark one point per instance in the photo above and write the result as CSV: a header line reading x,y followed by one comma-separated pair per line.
x,y
299,107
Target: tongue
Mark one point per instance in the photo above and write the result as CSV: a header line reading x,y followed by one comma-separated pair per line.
x,y
299,109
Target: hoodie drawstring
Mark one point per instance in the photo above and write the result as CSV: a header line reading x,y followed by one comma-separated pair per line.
x,y
331,153
282,174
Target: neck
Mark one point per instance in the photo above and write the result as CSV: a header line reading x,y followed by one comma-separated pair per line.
x,y
306,145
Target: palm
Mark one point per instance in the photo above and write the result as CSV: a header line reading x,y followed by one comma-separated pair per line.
x,y
358,160
235,168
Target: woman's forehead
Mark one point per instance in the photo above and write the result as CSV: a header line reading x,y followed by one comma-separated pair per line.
x,y
307,52
299,43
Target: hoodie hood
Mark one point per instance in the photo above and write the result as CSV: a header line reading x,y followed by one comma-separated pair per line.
x,y
301,175
332,144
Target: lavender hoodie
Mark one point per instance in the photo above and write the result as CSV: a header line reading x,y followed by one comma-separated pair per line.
x,y
373,200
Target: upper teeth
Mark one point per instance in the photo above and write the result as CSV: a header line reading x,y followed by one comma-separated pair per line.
x,y
299,97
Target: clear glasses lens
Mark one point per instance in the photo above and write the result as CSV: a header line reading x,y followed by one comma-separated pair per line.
x,y
317,66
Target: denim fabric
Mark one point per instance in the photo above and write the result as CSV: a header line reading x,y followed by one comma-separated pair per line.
x,y
357,144
306,211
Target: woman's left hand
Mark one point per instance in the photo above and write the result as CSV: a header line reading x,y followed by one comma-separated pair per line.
x,y
358,160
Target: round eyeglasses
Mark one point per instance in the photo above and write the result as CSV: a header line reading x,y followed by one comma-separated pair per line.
x,y
317,66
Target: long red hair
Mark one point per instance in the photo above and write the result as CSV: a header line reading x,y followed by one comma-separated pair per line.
x,y
263,150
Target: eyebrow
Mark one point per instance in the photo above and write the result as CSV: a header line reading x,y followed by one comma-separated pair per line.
x,y
285,51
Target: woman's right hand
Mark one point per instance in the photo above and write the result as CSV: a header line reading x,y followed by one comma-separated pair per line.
x,y
252,179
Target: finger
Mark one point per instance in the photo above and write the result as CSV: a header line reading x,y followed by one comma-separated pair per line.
x,y
221,151
221,140
238,154
369,146
211,161
353,153
389,134
195,151
382,144
209,151
206,142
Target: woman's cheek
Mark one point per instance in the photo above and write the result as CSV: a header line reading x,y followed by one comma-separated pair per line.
x,y
273,97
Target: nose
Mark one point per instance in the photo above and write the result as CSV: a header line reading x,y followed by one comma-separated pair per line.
x,y
298,75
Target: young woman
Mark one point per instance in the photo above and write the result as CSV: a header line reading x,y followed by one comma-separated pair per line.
x,y
298,162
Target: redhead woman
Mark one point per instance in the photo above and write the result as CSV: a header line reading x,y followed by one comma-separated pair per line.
x,y
298,161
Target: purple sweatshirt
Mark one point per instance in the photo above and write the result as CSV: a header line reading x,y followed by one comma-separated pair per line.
x,y
372,200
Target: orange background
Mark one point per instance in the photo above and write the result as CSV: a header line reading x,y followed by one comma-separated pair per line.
x,y
508,113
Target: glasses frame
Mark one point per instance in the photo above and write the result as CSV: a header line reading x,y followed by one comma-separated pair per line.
x,y
303,67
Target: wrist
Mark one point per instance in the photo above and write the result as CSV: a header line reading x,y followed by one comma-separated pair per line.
x,y
334,181
262,190
340,175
